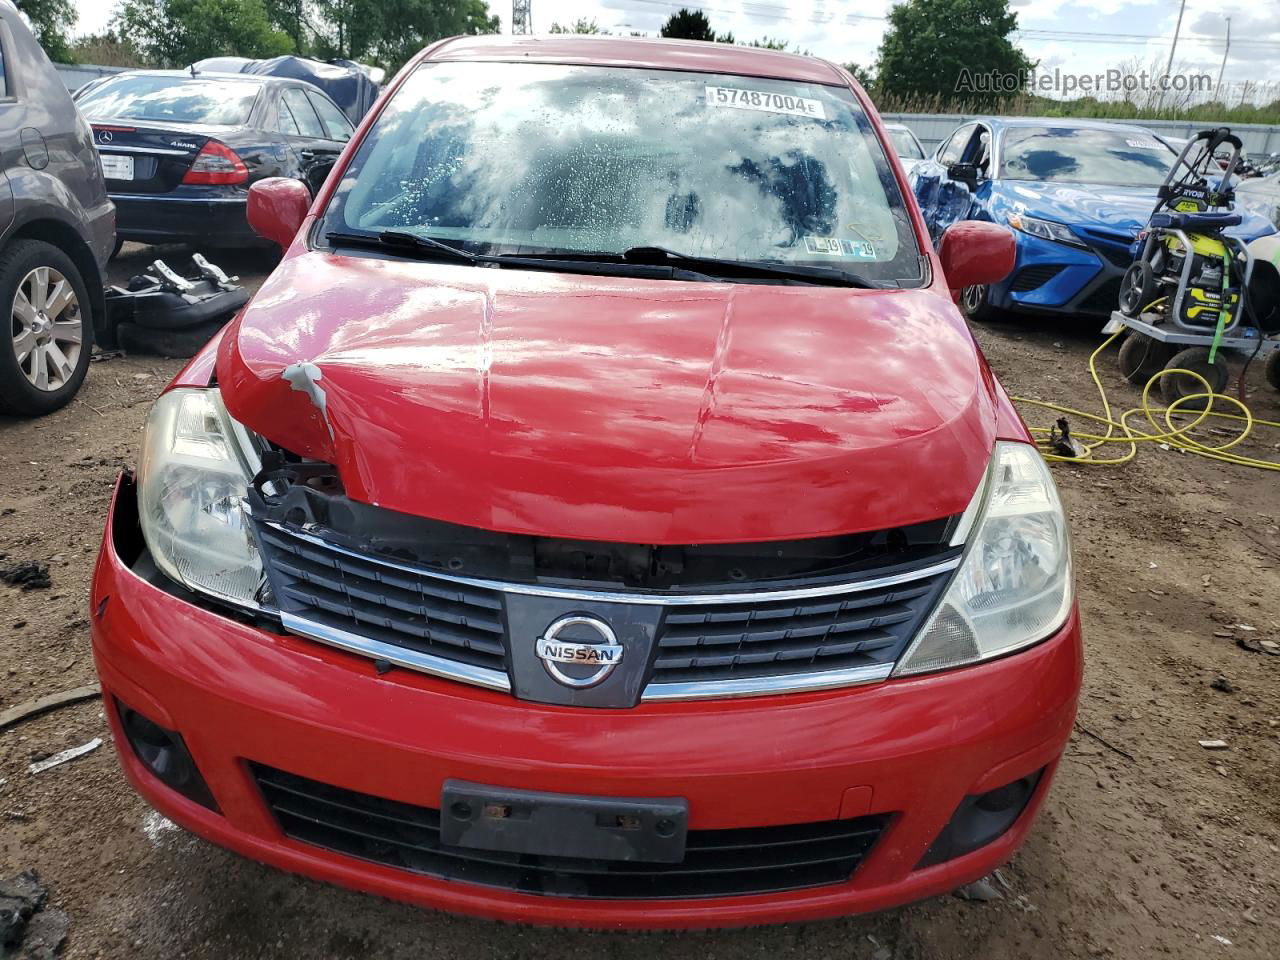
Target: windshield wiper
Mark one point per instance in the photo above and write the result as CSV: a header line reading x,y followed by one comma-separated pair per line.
x,y
400,240
757,268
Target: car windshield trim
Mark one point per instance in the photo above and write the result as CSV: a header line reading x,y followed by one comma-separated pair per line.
x,y
831,219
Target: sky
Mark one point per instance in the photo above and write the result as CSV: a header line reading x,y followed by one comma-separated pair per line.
x,y
1076,36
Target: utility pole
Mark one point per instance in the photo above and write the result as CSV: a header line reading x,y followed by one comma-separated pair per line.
x,y
1222,69
1176,30
522,16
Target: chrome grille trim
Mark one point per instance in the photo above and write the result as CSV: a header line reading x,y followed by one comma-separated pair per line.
x,y
765,686
655,599
400,656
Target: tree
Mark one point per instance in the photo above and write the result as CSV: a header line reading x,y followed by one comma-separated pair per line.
x,y
51,22
687,24
178,32
389,32
581,25
293,17
863,75
951,49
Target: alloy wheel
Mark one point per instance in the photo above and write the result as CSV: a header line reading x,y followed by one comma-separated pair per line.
x,y
47,328
972,298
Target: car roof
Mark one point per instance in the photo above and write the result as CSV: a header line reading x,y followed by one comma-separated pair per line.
x,y
188,75
659,54
1077,123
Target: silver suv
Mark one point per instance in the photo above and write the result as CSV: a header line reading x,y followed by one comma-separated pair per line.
x,y
57,229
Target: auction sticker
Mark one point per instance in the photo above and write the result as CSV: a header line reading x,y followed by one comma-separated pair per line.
x,y
765,102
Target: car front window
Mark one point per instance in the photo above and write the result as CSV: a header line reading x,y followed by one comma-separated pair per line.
x,y
1069,155
171,100
528,158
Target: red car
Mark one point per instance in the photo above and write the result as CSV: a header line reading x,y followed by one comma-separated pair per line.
x,y
602,517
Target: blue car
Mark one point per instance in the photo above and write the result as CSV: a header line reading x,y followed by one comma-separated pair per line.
x,y
1076,193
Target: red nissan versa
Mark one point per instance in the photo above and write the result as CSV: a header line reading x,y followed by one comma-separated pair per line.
x,y
602,517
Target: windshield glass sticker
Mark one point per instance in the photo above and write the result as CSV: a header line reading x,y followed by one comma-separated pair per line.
x,y
836,247
1146,143
765,102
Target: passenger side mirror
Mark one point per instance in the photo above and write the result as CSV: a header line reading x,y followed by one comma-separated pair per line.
x,y
277,207
974,253
966,173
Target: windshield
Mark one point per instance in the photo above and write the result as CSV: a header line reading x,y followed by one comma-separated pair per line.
x,y
1065,155
539,158
171,100
904,144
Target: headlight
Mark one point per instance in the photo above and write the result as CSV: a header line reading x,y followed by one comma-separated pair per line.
x,y
192,480
1013,587
1045,229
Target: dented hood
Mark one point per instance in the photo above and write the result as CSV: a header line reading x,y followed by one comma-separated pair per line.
x,y
608,408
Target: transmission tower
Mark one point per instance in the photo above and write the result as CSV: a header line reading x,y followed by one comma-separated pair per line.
x,y
521,16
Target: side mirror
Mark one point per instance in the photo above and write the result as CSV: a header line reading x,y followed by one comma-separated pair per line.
x,y
277,207
975,252
966,173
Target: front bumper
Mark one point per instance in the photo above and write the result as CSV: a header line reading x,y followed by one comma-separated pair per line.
x,y
911,749
185,216
1079,280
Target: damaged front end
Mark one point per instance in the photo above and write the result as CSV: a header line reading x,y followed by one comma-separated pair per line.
x,y
235,522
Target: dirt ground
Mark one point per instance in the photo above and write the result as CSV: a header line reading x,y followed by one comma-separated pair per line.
x,y
1149,844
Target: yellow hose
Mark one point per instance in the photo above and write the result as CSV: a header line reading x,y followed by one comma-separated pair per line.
x,y
1171,435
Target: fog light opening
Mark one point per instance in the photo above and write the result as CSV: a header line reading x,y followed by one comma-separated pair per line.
x,y
165,755
980,819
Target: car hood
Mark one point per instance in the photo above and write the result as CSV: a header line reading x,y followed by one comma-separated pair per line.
x,y
1108,209
618,409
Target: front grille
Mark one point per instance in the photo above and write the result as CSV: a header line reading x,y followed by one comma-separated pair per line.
x,y
340,590
1104,298
717,863
1031,278
728,641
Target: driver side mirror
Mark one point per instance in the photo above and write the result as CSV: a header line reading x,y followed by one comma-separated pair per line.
x,y
974,253
966,173
277,207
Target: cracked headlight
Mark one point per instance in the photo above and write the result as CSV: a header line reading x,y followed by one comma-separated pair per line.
x,y
192,479
1013,587
1045,229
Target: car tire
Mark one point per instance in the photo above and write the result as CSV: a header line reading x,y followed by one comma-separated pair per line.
x,y
42,365
1142,357
1272,370
1176,386
975,303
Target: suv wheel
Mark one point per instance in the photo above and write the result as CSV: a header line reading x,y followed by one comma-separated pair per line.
x,y
45,355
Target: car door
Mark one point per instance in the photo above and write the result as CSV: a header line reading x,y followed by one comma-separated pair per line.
x,y
931,174
310,142
955,195
12,121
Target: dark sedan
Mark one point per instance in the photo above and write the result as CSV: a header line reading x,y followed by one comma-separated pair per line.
x,y
179,151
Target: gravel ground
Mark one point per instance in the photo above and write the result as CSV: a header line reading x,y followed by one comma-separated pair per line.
x,y
1148,844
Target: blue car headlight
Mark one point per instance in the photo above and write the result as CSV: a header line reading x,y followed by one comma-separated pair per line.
x,y
1044,229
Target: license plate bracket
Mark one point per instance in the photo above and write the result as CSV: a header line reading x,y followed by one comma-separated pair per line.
x,y
116,167
650,830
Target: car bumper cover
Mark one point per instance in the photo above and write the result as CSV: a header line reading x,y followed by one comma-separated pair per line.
x,y
899,757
